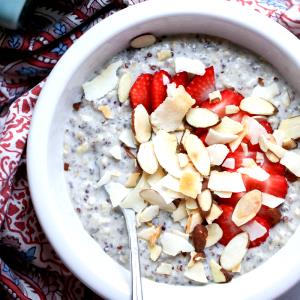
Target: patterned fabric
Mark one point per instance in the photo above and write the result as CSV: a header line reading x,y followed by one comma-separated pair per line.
x,y
29,267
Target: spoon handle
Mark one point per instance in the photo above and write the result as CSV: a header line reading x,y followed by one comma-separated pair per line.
x,y
136,283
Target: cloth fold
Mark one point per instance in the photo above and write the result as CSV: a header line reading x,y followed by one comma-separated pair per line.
x,y
29,267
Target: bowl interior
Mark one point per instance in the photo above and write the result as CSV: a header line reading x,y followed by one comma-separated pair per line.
x,y
45,162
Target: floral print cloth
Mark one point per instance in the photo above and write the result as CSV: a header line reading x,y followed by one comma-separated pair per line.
x,y
29,267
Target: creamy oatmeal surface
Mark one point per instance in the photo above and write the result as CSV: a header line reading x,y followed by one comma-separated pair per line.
x,y
93,150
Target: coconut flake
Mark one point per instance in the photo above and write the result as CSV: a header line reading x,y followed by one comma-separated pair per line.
x,y
271,201
186,64
255,172
291,160
214,234
149,213
255,129
254,229
196,273
103,83
180,212
115,152
170,114
215,137
266,92
217,153
164,269
228,125
127,138
229,163
173,244
116,192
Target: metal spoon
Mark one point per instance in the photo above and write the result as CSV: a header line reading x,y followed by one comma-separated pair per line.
x,y
136,282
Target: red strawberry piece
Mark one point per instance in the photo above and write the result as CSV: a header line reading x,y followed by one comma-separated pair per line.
x,y
229,97
201,133
140,92
272,168
230,230
238,116
271,215
233,200
158,88
181,78
201,86
257,242
275,185
238,157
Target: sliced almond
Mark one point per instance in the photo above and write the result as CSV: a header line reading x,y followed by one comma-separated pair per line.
x,y
234,251
183,160
257,106
197,154
173,244
165,146
217,153
271,201
259,159
247,207
256,172
103,83
196,273
291,160
228,125
155,252
267,143
169,115
290,127
147,158
202,117
289,144
231,109
117,192
215,96
133,199
180,212
255,129
272,157
141,124
254,229
193,220
245,148
143,41
229,163
226,182
153,179
164,269
237,269
153,197
149,213
132,180
205,202
214,234
279,137
186,64
215,137
115,152
181,233
215,213
219,274
190,183
125,84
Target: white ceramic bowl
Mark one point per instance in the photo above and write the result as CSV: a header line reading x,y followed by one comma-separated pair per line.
x,y
51,200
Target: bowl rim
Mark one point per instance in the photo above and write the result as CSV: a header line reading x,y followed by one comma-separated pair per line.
x,y
135,15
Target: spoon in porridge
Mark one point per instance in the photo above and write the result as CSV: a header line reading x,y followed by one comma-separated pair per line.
x,y
136,282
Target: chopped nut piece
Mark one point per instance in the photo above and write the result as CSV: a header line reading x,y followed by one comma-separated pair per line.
x,y
105,109
76,106
66,167
231,109
215,96
155,252
186,64
143,41
217,153
146,233
132,180
164,269
164,54
154,237
115,152
84,147
215,137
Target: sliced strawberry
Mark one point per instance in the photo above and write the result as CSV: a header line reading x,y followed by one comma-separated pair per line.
x,y
238,157
271,215
201,86
140,92
201,133
265,124
275,185
230,230
272,168
229,97
158,88
181,78
262,239
233,200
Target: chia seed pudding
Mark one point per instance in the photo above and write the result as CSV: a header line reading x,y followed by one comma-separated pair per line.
x,y
94,154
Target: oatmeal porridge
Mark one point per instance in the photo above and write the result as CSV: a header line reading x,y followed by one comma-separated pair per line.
x,y
196,135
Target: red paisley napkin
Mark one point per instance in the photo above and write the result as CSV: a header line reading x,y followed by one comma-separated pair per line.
x,y
29,267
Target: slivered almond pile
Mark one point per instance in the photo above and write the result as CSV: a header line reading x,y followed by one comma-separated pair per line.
x,y
215,153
